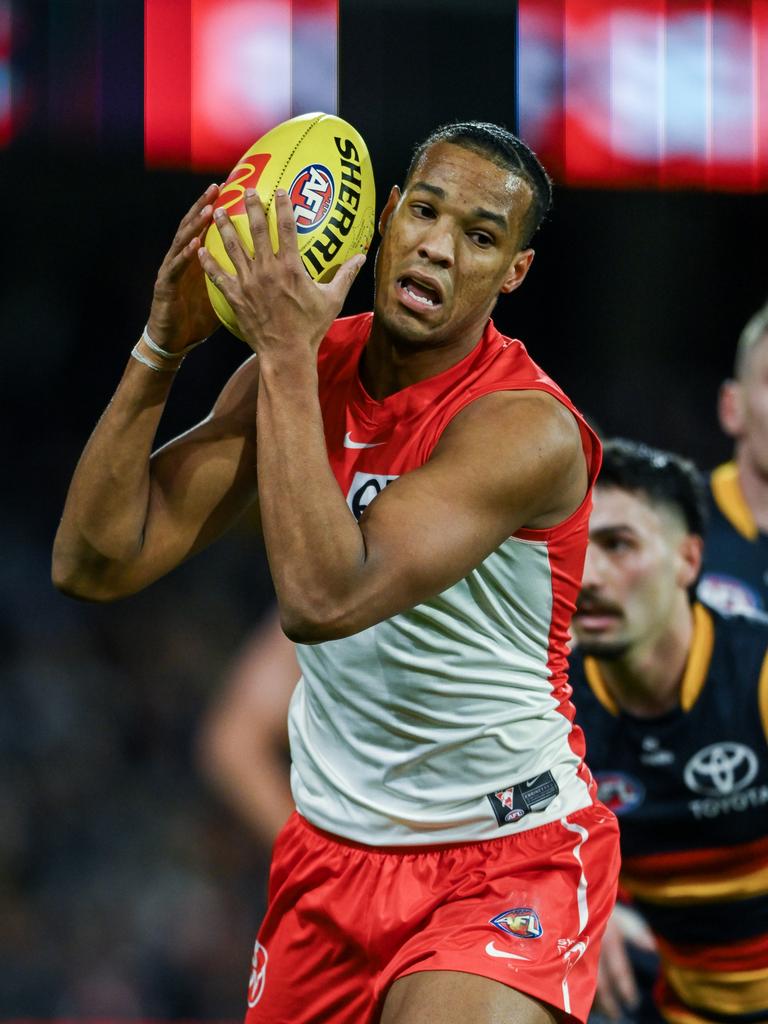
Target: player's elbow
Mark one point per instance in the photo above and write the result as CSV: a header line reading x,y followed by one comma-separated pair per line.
x,y
318,623
72,579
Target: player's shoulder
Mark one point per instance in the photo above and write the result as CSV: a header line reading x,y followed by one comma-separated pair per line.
x,y
342,344
532,419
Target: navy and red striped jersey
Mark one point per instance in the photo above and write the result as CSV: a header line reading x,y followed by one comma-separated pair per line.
x,y
690,789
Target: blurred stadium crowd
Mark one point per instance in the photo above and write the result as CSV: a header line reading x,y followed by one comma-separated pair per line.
x,y
127,890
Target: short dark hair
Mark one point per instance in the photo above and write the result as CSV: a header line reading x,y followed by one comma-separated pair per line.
x,y
505,150
663,477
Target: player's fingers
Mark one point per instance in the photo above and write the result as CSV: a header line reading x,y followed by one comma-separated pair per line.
x,y
286,226
344,277
174,268
231,241
195,220
257,222
215,273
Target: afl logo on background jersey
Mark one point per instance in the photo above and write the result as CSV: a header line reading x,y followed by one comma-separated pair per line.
x,y
721,769
311,195
619,792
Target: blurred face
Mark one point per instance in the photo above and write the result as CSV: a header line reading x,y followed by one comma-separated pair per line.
x,y
639,562
744,408
450,245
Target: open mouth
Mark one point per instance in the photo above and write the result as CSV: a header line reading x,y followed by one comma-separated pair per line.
x,y
418,295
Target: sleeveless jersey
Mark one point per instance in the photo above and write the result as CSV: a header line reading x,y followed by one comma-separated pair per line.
x,y
449,721
734,577
690,789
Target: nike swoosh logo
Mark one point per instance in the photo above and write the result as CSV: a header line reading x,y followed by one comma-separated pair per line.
x,y
491,950
349,443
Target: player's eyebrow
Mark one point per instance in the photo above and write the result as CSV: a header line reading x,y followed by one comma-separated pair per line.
x,y
610,528
479,212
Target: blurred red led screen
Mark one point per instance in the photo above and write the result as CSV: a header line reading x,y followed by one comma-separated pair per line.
x,y
651,93
220,73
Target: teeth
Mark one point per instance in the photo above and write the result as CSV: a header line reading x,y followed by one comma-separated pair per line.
x,y
419,298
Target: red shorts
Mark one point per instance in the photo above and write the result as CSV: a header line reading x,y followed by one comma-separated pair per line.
x,y
344,920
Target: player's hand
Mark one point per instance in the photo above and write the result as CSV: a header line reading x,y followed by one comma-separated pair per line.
x,y
181,311
279,308
617,990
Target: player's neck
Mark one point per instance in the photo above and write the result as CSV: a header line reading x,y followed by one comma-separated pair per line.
x,y
390,364
646,681
754,487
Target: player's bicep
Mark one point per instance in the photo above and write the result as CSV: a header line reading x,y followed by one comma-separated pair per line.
x,y
509,463
201,481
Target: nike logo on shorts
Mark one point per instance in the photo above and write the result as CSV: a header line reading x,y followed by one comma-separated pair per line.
x,y
349,443
491,950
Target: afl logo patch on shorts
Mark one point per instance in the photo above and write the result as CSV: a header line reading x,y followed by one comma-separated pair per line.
x,y
522,922
311,196
619,792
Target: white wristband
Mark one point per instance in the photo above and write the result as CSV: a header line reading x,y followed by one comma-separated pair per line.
x,y
163,352
139,356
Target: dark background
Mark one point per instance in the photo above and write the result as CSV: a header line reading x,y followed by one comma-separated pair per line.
x,y
126,888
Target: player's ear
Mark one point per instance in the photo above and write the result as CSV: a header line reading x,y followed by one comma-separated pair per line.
x,y
389,207
517,270
730,411
691,552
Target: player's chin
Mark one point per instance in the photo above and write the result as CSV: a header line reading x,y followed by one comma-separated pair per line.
x,y
607,648
412,325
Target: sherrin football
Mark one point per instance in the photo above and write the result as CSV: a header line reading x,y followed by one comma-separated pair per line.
x,y
324,166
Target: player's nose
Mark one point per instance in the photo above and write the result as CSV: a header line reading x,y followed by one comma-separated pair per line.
x,y
437,245
594,565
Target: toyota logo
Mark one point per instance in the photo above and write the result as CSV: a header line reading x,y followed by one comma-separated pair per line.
x,y
721,769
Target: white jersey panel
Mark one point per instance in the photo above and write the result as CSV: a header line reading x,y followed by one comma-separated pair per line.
x,y
399,733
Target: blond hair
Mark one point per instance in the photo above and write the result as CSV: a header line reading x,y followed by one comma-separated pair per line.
x,y
755,330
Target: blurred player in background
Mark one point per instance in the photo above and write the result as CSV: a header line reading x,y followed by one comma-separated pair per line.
x,y
673,700
243,743
735,572
424,491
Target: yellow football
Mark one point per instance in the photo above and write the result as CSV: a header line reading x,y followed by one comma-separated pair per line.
x,y
324,166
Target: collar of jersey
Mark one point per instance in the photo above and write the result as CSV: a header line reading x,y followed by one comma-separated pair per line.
x,y
729,498
696,667
414,399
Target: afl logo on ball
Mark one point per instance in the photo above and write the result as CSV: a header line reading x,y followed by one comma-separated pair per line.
x,y
258,974
312,195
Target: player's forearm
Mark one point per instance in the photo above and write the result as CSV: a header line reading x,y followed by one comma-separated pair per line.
x,y
314,545
105,513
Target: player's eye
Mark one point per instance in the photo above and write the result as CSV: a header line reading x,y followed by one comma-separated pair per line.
x,y
617,544
423,210
482,238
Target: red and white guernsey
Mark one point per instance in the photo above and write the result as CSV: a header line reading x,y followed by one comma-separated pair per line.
x,y
450,721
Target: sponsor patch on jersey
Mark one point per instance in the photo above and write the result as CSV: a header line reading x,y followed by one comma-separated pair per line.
x,y
721,769
619,792
513,803
364,488
522,922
